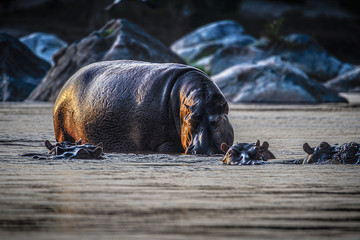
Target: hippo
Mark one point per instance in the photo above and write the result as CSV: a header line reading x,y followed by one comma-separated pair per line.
x,y
133,106
75,150
347,153
247,153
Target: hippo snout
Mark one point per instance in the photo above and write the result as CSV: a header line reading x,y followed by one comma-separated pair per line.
x,y
201,145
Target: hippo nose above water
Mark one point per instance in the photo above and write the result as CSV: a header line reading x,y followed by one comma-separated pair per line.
x,y
201,144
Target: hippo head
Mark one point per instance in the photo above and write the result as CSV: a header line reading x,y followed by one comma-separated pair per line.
x,y
318,154
205,126
247,154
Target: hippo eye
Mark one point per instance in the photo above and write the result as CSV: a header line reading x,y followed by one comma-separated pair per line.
x,y
324,145
214,120
213,123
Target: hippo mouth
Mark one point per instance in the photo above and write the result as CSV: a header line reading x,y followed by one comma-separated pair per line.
x,y
198,145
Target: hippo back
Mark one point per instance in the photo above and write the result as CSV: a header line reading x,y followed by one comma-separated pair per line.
x,y
124,104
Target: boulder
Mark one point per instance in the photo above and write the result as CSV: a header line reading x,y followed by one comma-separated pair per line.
x,y
44,45
220,45
346,82
272,81
20,69
233,55
304,53
299,49
118,39
199,46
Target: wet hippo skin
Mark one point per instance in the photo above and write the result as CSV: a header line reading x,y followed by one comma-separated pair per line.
x,y
139,106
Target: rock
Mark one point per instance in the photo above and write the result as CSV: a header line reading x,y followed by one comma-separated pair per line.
x,y
233,55
272,81
206,40
44,45
20,69
304,53
118,39
220,45
298,49
346,82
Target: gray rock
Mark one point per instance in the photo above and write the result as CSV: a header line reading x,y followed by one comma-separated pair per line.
x,y
272,81
233,55
304,53
206,40
220,45
346,82
44,45
20,69
298,49
118,39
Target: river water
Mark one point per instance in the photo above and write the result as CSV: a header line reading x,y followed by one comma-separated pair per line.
x,y
162,196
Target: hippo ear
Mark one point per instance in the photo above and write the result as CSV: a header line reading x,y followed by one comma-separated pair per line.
x,y
324,145
48,145
308,149
79,142
257,143
96,153
100,145
224,147
83,154
265,146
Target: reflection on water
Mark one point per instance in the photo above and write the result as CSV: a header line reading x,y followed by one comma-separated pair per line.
x,y
142,196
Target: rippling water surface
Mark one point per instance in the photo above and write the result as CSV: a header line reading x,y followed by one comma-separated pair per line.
x,y
160,196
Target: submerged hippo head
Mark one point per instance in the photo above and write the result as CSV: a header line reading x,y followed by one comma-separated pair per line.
x,y
318,154
74,150
247,153
347,153
206,126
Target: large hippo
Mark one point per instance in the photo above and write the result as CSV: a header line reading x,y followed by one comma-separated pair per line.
x,y
133,106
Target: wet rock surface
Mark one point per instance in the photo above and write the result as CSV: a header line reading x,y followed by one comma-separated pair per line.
x,y
298,49
272,81
304,53
118,39
199,46
347,153
233,55
247,154
346,82
44,45
20,69
223,44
